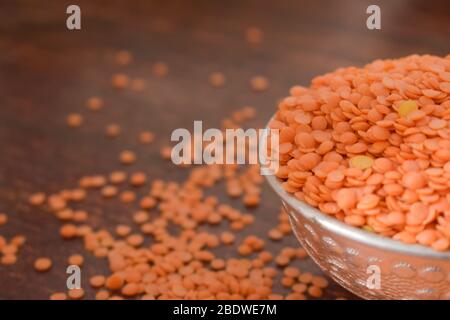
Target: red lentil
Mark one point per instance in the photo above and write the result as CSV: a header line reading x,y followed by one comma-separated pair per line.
x,y
76,259
94,103
254,35
117,177
42,264
127,157
259,83
217,79
146,137
76,294
113,130
97,281
124,57
3,219
37,199
120,81
8,259
74,120
58,296
160,69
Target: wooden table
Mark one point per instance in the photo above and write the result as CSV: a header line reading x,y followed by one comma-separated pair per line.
x,y
47,72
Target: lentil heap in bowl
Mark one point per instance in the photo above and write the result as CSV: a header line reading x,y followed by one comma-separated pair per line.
x,y
371,147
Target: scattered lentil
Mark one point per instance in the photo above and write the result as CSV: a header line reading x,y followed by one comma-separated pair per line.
x,y
97,281
254,35
160,69
3,219
127,157
217,79
124,57
76,259
75,294
94,103
42,264
259,83
113,130
146,137
58,296
74,120
37,199
120,81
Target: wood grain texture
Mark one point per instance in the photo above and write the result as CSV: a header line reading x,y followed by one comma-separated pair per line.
x,y
47,72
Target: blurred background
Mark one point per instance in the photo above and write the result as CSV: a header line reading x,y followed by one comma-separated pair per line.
x,y
47,72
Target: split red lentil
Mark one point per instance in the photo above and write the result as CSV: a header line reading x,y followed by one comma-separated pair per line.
x,y
113,130
146,137
160,69
124,57
217,79
254,35
370,146
259,83
74,120
76,259
42,264
3,219
120,81
94,103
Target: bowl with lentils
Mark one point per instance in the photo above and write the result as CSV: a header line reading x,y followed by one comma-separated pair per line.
x,y
365,175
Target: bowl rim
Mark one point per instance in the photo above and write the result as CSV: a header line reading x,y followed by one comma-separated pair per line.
x,y
355,234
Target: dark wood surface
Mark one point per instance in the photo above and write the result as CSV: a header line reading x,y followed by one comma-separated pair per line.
x,y
47,72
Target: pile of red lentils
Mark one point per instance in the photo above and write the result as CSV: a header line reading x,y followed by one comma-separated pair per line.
x,y
371,147
155,262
